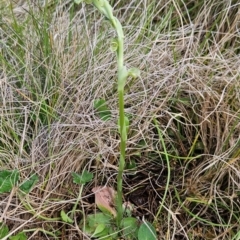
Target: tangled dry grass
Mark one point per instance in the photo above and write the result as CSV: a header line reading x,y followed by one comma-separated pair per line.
x,y
55,62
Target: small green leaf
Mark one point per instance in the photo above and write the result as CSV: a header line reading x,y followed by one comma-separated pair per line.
x,y
83,178
3,230
102,109
93,220
106,211
99,230
114,45
129,226
8,180
92,223
19,236
122,76
134,72
29,184
65,217
147,232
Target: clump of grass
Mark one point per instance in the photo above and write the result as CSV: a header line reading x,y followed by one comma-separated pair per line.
x,y
53,67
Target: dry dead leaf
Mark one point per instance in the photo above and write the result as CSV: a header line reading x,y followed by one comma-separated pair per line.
x,y
105,199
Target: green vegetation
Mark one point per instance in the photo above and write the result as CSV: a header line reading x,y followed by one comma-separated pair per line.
x,y
75,121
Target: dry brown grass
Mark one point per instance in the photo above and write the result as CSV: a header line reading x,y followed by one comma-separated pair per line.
x,y
190,84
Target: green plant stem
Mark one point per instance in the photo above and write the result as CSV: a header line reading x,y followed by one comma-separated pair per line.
x,y
104,7
76,203
120,35
122,126
122,76
122,157
121,82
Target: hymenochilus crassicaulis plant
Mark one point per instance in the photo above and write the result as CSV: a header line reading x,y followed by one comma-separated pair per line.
x,y
117,46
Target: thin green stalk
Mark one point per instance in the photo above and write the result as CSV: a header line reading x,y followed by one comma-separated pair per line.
x,y
105,8
122,157
78,200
